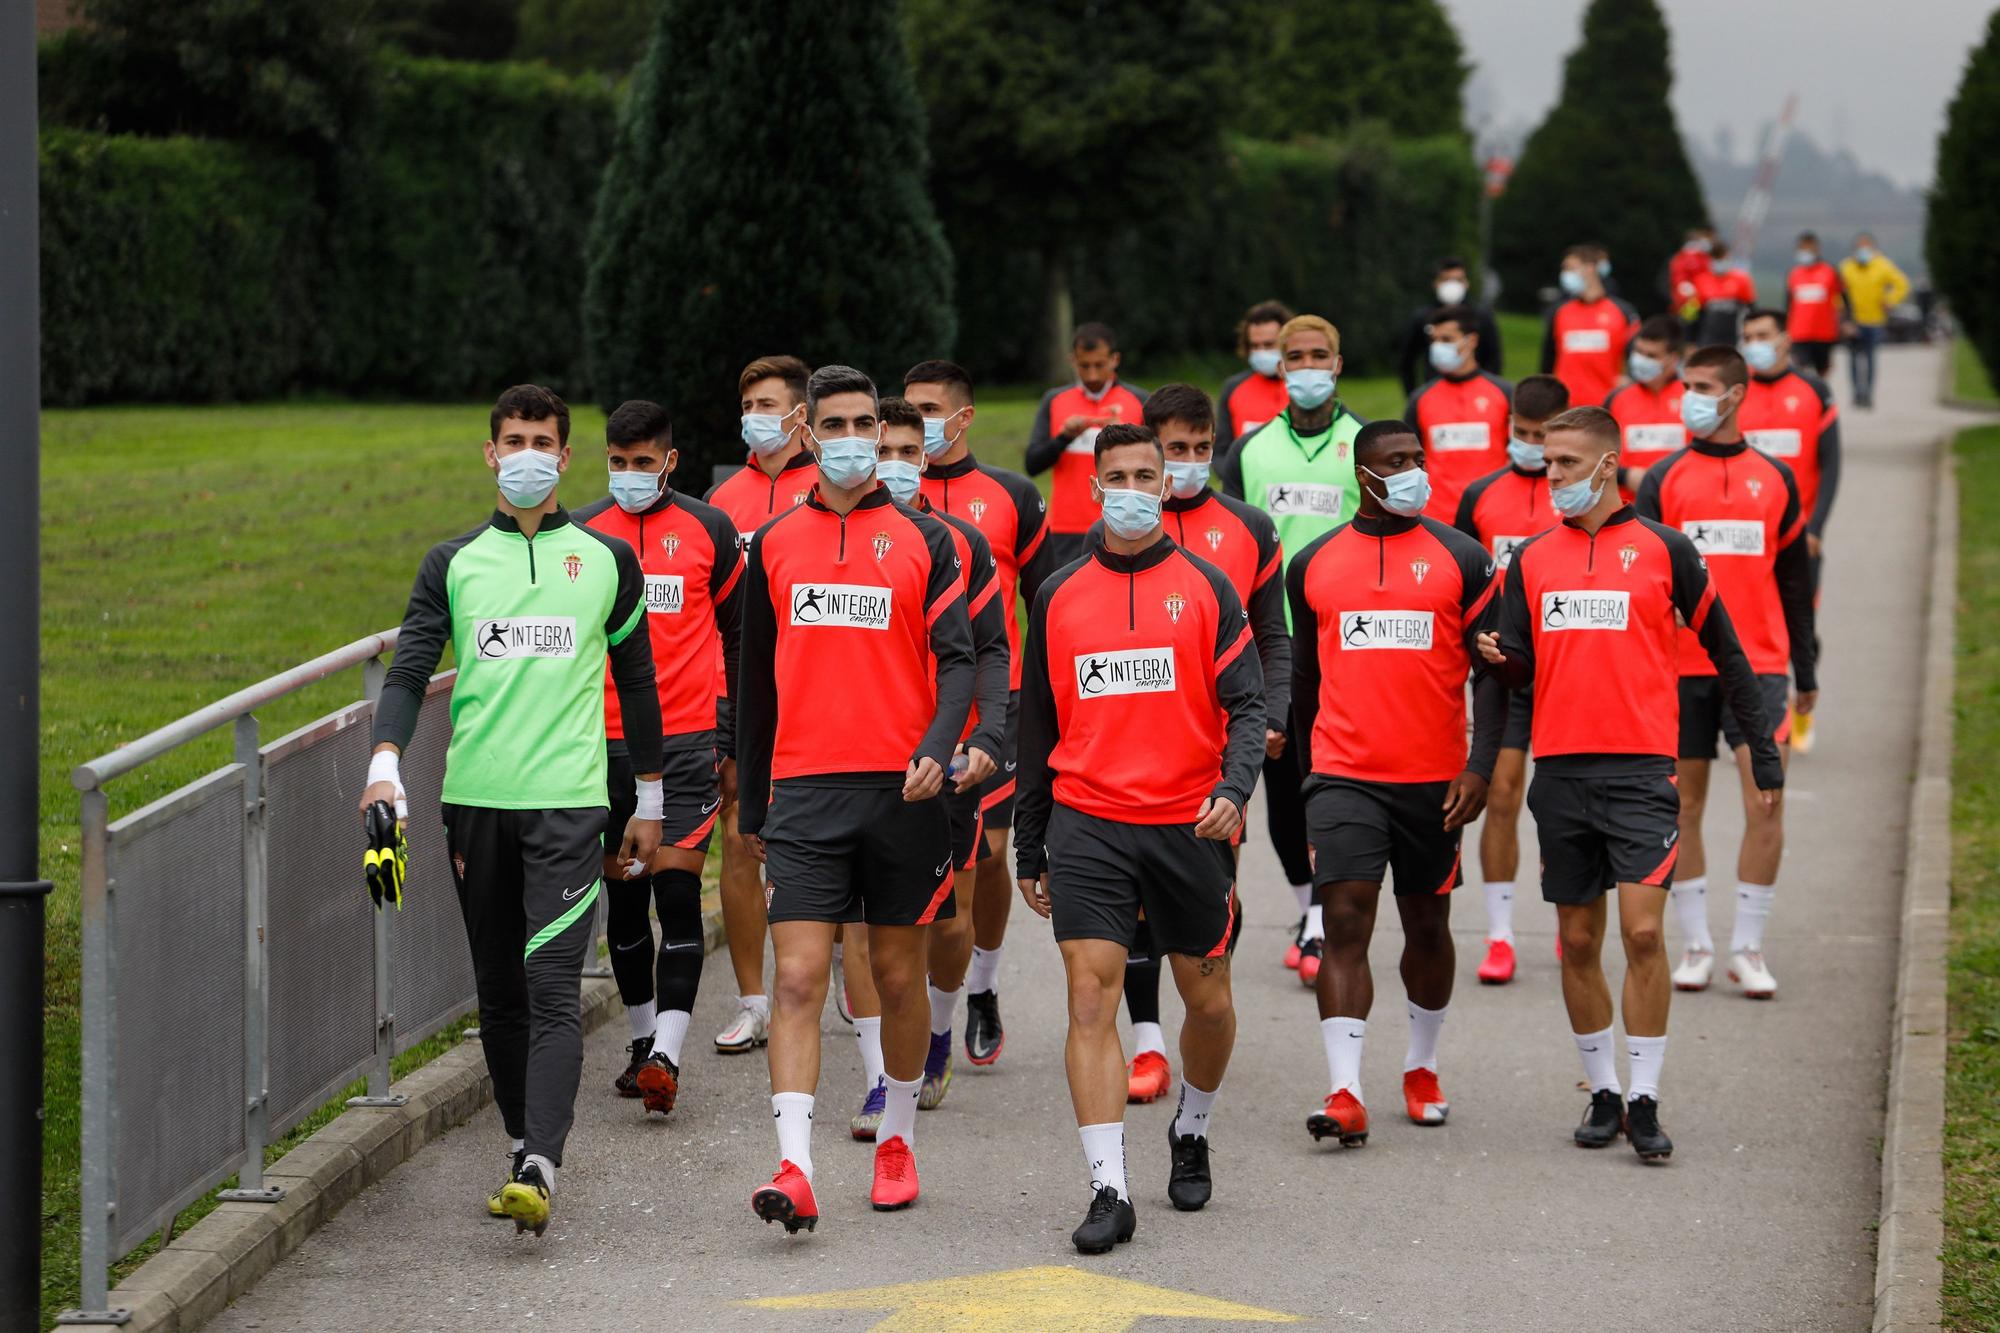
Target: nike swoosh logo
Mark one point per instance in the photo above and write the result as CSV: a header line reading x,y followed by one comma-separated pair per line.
x,y
577,892
1587,1049
941,869
1355,1035
712,806
681,947
1010,765
628,948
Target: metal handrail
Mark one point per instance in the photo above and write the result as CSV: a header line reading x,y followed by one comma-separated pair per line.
x,y
95,773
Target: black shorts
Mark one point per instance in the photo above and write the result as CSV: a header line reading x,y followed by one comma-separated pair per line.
x,y
692,785
1704,712
1520,720
1362,830
996,798
1103,873
968,827
857,854
1600,831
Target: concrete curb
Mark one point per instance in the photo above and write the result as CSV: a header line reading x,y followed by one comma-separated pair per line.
x,y
1909,1269
220,1257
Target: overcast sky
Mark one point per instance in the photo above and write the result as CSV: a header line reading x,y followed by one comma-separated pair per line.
x,y
1875,84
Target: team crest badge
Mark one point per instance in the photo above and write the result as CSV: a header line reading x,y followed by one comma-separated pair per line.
x,y
1175,604
798,497
1756,485
1420,568
572,565
977,508
1479,403
1626,555
882,544
1791,402
672,544
1214,536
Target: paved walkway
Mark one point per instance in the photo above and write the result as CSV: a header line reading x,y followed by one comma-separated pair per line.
x,y
1764,1219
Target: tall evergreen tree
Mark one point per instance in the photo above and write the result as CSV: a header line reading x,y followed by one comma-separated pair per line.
x,y
765,195
1607,166
1958,233
1321,67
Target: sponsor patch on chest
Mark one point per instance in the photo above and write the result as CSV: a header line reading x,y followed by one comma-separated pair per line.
x,y
1386,629
1461,436
843,605
1302,497
524,636
1586,609
1776,443
1126,671
1503,549
1586,340
1656,438
663,594
1725,536
1810,293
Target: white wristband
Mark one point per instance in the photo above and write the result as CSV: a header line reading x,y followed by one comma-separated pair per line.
x,y
385,766
652,799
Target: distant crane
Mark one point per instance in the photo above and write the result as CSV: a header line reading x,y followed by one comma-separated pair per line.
x,y
1757,202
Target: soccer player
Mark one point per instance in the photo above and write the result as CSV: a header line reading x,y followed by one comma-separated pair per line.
x,y
1254,396
857,675
1008,511
1815,301
1741,510
1500,511
1451,285
1461,415
1065,425
1591,617
1241,541
1789,413
778,474
1299,469
1647,407
1725,291
1874,286
1686,268
1587,331
534,605
688,553
1385,614
900,467
1142,720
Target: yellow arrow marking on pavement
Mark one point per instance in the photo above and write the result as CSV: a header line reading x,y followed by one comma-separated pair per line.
x,y
1050,1299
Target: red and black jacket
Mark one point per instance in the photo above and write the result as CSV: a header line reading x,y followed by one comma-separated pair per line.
x,y
1793,418
1140,699
992,650
1505,508
1010,514
1814,296
1584,343
1741,511
1462,422
1589,620
1649,422
1386,614
1247,401
752,497
857,650
1070,506
693,567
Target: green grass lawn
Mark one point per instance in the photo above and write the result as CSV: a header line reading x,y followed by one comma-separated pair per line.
x,y
1969,378
1972,1062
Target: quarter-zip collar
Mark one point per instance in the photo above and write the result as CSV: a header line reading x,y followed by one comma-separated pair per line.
x,y
556,518
953,471
1622,514
875,499
659,506
1711,449
1389,525
1176,505
1138,563
803,458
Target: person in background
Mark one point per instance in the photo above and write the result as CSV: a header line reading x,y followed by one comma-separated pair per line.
x,y
1584,342
1252,397
1461,416
1685,270
1874,285
1726,292
1815,302
1452,287
1647,407
1065,429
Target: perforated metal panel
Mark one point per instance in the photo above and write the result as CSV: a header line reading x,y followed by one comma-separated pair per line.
x,y
431,980
319,923
176,873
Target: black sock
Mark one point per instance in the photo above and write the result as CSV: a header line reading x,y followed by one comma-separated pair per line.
x,y
678,895
629,931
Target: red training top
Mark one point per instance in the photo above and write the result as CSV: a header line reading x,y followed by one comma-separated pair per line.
x,y
1070,506
1793,418
1463,424
1583,345
1505,508
1009,513
1247,401
1812,303
753,498
991,649
1649,422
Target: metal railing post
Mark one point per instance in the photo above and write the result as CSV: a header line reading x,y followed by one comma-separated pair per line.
x,y
100,999
379,1073
250,1187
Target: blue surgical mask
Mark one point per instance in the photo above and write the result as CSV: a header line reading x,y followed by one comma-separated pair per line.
x,y
1308,388
1131,514
935,440
527,476
1446,357
846,460
1864,253
1577,498
635,492
1761,356
1264,360
1805,256
900,478
1603,268
1701,413
1645,369
1525,456
764,433
1571,282
1403,493
1186,480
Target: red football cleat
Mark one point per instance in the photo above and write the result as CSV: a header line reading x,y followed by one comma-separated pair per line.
x,y
1498,969
788,1199
1148,1077
895,1176
1310,955
1342,1116
1422,1097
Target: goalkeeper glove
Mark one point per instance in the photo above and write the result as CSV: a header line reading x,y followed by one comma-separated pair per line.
x,y
387,859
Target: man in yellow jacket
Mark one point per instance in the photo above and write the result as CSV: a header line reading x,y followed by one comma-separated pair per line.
x,y
1874,284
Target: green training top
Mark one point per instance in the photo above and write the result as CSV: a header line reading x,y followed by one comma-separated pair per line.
x,y
1306,484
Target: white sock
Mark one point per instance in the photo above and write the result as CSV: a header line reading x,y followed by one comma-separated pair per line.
x,y
1104,1153
1500,910
641,1017
1424,1027
1192,1116
1753,909
760,1003
943,1004
517,1145
548,1170
838,950
868,1036
1344,1038
1691,910
1148,1037
1648,1055
794,1114
984,972
899,1112
1600,1060
1315,923
668,1032
1304,893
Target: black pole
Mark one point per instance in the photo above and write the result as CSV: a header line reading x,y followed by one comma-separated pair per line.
x,y
22,892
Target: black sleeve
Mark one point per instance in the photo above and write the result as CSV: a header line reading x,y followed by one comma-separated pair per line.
x,y
1646,500
1033,555
992,656
1468,506
1549,340
1036,743
1695,598
951,645
1409,359
631,654
725,591
755,691
1239,688
1793,570
1517,633
1044,447
1479,610
1490,346
1305,656
1225,424
419,645
1267,622
1229,468
1410,416
1829,464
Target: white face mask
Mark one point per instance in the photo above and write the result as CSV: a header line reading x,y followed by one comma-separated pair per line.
x,y
527,476
1451,291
